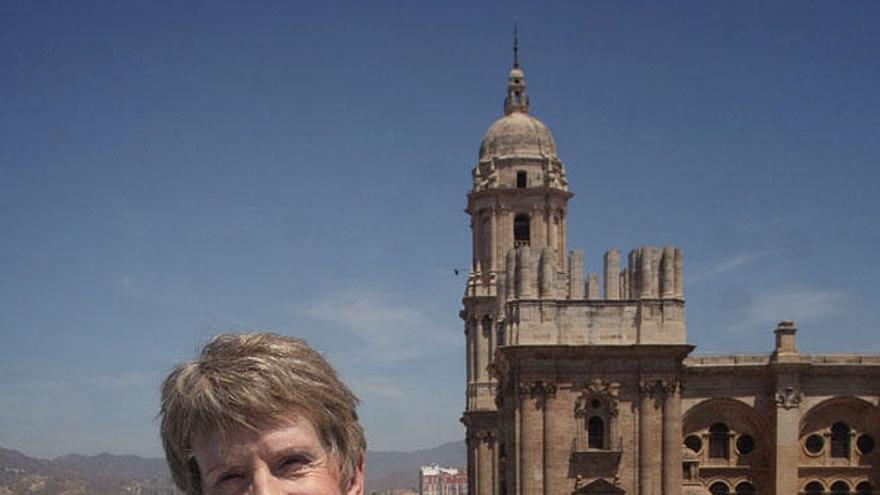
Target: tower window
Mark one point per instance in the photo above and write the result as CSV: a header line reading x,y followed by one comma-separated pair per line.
x,y
865,443
719,441
840,440
521,235
521,180
596,433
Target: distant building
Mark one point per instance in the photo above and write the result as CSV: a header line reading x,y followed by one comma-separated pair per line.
x,y
436,480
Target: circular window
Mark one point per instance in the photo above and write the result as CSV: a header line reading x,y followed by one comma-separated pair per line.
x,y
595,404
814,443
693,442
745,444
865,443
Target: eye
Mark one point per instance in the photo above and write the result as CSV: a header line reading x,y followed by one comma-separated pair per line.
x,y
229,476
292,464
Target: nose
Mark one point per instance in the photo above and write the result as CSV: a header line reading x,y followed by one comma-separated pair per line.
x,y
265,483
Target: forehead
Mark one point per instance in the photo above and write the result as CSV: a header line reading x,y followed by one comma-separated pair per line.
x,y
291,432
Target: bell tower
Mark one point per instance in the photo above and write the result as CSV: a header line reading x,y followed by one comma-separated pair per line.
x,y
519,198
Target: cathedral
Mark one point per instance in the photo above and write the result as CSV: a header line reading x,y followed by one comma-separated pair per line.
x,y
584,383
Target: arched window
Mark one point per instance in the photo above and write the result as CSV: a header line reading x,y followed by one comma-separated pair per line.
x,y
839,488
719,488
840,440
596,433
521,235
864,488
745,488
814,488
719,441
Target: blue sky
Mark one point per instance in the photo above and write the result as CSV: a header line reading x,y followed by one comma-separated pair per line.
x,y
169,171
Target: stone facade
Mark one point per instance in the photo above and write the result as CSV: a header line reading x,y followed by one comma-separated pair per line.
x,y
581,383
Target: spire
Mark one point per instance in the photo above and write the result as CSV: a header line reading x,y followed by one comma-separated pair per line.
x,y
515,47
516,100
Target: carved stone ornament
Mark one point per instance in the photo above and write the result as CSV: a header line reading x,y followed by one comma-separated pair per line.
x,y
788,397
485,175
555,175
538,390
658,388
485,436
605,392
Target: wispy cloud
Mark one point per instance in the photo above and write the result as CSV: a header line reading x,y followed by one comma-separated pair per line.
x,y
379,389
386,329
804,305
728,264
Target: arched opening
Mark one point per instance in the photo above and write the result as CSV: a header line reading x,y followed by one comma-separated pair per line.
x,y
839,488
596,433
840,440
521,230
745,488
813,488
719,488
719,441
864,488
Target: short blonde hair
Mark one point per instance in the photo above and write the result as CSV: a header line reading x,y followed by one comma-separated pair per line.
x,y
251,381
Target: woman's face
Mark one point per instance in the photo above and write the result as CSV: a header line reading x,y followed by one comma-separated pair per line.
x,y
282,460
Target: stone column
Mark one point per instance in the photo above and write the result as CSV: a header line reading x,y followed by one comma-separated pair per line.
x,y
490,339
506,231
485,477
562,233
785,363
472,458
672,440
649,441
494,253
548,394
787,421
479,365
469,351
531,474
679,274
476,229
612,275
668,272
576,275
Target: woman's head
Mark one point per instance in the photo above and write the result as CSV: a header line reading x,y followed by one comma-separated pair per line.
x,y
256,382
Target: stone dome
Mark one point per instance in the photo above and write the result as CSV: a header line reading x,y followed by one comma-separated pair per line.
x,y
517,134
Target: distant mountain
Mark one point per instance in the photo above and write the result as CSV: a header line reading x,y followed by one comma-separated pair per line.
x,y
75,474
107,474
